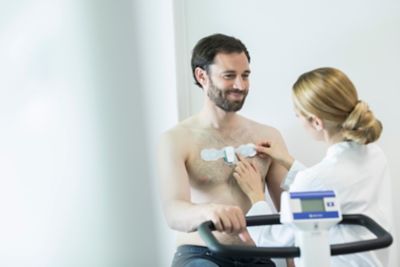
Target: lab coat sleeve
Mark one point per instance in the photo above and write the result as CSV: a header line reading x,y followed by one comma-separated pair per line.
x,y
294,169
270,235
274,235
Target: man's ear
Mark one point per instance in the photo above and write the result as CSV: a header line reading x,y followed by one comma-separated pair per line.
x,y
317,123
201,76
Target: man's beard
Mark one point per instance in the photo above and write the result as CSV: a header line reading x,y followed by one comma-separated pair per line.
x,y
220,99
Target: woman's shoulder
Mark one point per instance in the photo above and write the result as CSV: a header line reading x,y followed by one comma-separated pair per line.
x,y
356,154
316,177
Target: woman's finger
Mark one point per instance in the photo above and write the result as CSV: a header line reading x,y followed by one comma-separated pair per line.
x,y
263,149
264,143
253,167
239,156
239,167
243,161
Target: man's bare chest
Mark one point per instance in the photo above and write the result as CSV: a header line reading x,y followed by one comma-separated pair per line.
x,y
218,171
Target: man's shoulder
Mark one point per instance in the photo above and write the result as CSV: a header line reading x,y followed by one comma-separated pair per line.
x,y
262,128
178,131
178,139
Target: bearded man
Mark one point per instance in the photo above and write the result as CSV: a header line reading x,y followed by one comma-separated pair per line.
x,y
197,157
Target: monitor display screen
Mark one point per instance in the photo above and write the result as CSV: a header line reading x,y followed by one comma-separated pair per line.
x,y
312,205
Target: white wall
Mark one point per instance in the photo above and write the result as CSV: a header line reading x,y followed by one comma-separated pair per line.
x,y
287,38
76,183
156,41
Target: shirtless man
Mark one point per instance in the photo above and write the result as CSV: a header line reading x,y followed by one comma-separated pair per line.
x,y
196,189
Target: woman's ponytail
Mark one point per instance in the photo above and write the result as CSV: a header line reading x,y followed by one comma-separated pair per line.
x,y
361,125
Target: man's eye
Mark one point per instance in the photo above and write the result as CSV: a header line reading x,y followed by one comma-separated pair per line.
x,y
229,76
245,76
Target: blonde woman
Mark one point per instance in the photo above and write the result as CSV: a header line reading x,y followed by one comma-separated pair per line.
x,y
327,104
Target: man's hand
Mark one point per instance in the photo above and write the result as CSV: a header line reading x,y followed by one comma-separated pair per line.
x,y
249,179
227,219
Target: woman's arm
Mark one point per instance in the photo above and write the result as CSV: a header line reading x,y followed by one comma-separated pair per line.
x,y
249,179
277,151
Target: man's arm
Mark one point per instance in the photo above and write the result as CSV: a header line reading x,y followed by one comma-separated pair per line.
x,y
181,214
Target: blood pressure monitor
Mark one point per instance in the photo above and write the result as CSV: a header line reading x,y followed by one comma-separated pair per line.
x,y
318,206
311,214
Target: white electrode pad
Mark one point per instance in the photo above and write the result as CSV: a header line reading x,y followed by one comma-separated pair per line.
x,y
228,153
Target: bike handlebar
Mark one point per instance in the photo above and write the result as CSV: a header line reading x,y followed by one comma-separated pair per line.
x,y
384,239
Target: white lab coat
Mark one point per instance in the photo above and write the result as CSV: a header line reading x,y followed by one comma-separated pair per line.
x,y
360,177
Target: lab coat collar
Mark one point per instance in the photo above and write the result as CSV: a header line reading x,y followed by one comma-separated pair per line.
x,y
338,148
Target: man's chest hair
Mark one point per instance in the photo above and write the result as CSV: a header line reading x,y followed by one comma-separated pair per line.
x,y
217,140
202,172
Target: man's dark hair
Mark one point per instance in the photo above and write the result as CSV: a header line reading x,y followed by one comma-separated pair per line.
x,y
208,47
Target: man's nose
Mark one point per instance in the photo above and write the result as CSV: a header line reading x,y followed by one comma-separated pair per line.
x,y
240,83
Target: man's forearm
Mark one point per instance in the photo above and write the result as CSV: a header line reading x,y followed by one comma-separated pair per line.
x,y
184,216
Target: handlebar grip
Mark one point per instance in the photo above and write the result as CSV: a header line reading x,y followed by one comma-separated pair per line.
x,y
384,238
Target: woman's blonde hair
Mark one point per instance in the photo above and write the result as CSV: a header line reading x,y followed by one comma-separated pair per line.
x,y
330,95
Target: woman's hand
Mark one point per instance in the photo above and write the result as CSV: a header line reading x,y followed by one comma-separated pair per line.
x,y
249,179
276,151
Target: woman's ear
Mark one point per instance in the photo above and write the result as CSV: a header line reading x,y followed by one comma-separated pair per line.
x,y
201,76
317,123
